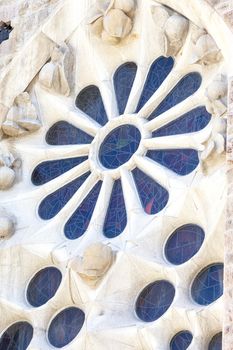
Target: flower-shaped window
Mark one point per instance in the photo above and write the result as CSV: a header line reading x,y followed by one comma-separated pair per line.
x,y
118,143
208,285
43,286
17,336
65,326
184,243
154,300
216,342
181,340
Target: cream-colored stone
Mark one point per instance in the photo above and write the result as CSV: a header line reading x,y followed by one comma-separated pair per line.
x,y
117,24
206,50
124,5
176,29
53,75
7,226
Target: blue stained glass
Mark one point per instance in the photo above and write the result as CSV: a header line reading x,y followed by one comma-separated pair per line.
x,y
79,221
119,146
63,133
192,121
158,72
123,81
5,31
17,337
43,286
186,87
181,161
154,300
184,243
89,101
47,171
216,342
116,217
181,340
54,202
153,196
208,285
66,326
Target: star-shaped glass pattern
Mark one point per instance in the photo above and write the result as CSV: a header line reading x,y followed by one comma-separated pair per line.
x,y
181,341
119,147
208,285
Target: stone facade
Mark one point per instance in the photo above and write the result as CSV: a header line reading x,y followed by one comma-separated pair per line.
x,y
42,71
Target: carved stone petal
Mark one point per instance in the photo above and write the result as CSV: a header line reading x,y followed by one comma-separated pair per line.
x,y
117,23
11,128
109,39
176,28
160,15
29,124
97,26
124,5
6,227
7,177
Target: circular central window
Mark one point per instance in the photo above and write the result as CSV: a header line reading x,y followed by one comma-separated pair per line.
x,y
119,146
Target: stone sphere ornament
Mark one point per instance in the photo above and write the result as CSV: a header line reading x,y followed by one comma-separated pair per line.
x,y
7,226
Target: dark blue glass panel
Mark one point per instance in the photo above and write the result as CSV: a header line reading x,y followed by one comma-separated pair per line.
x,y
181,161
89,101
63,133
153,196
216,342
123,81
17,337
116,217
47,171
43,286
154,300
5,30
185,88
65,326
181,341
158,72
192,121
119,146
79,221
55,201
208,285
184,243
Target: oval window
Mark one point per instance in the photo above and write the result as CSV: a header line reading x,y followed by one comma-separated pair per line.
x,y
154,300
17,336
216,342
184,243
43,286
181,340
65,326
208,285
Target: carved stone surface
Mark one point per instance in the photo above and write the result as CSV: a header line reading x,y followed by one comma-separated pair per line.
x,y
8,168
53,75
96,261
22,117
7,225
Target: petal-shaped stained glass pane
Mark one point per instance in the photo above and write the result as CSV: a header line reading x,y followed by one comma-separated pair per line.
x,y
54,202
184,243
216,342
49,170
181,161
181,340
5,31
43,286
192,121
153,196
89,101
116,217
158,72
208,285
119,146
79,221
123,81
186,87
17,337
154,300
66,326
63,133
